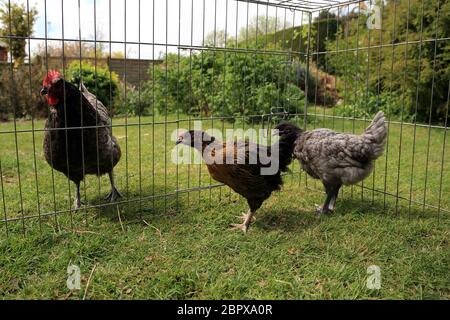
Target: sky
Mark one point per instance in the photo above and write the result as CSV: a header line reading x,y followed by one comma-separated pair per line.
x,y
146,21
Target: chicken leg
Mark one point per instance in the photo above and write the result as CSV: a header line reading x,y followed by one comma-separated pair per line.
x,y
332,193
247,219
78,202
333,199
114,194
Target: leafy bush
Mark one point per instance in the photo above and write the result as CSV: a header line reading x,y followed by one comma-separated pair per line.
x,y
269,98
366,105
231,84
136,101
98,80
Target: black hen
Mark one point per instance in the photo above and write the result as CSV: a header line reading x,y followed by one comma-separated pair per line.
x,y
236,169
78,139
337,158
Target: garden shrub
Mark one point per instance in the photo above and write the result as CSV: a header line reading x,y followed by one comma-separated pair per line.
x,y
98,80
366,105
20,92
223,84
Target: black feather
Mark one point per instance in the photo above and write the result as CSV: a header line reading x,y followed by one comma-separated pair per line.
x,y
77,151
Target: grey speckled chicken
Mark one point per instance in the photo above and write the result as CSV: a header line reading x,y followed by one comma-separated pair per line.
x,y
337,158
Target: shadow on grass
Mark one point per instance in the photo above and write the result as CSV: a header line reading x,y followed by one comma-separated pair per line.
x,y
289,220
171,209
377,207
136,207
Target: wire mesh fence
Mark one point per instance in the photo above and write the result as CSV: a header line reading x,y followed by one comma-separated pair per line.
x,y
226,64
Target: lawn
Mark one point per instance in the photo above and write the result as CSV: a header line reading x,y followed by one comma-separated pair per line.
x,y
164,244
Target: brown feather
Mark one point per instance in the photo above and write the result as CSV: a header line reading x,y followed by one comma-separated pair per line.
x,y
241,176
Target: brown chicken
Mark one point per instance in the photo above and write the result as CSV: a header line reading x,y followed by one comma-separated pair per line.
x,y
237,170
337,158
78,139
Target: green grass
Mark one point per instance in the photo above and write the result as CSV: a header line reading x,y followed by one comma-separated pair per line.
x,y
179,246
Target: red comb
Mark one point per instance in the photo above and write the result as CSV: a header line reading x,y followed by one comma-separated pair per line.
x,y
51,75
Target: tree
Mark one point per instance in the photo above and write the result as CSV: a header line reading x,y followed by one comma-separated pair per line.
x,y
71,50
217,39
17,22
324,27
260,25
412,68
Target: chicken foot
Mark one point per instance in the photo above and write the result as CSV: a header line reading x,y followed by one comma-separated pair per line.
x,y
247,219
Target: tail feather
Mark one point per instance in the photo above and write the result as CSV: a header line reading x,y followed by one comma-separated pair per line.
x,y
82,87
376,132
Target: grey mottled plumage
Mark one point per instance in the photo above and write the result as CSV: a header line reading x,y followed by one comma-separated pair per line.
x,y
337,158
77,152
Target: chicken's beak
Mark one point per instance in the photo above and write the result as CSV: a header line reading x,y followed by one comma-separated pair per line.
x,y
178,142
44,91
